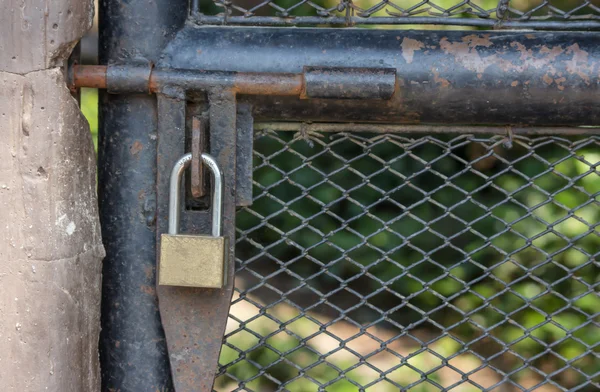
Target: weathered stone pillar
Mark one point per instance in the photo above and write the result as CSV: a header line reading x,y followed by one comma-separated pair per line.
x,y
50,245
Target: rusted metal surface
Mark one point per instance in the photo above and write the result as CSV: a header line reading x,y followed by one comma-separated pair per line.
x,y
251,83
123,79
197,181
194,319
443,77
349,83
93,76
416,129
141,79
313,82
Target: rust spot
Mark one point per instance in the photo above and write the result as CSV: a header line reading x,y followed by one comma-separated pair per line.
x,y
530,36
148,290
412,117
475,40
117,344
515,83
578,64
89,76
465,53
547,79
409,47
443,82
199,51
149,272
529,60
559,83
136,148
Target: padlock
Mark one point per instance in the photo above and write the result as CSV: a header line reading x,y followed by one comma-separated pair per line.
x,y
193,260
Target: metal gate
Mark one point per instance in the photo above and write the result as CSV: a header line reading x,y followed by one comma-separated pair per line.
x,y
413,209
392,262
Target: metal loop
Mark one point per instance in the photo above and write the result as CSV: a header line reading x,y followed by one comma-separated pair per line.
x,y
174,193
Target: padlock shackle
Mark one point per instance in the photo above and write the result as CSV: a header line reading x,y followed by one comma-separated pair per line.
x,y
174,193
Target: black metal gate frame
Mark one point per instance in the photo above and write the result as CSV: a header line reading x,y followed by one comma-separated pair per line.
x,y
542,15
238,75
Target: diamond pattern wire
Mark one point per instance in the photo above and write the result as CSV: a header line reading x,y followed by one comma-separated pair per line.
x,y
457,12
382,262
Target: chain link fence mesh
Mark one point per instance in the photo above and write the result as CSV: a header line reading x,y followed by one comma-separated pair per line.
x,y
379,262
538,13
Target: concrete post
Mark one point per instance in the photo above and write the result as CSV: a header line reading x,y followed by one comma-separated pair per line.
x,y
50,243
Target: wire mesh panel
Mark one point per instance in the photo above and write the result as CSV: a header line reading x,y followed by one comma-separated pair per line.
x,y
532,13
451,263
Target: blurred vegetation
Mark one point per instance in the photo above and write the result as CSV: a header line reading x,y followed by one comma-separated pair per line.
x,y
457,236
89,107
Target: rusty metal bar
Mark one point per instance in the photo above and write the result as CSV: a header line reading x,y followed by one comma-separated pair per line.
x,y
413,128
199,130
124,79
443,77
349,83
93,76
250,83
130,78
342,21
314,82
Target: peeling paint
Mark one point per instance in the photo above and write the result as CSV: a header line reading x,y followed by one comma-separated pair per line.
x,y
409,47
579,65
478,40
465,53
136,148
443,82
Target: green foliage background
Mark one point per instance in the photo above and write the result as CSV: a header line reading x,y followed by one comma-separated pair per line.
x,y
455,235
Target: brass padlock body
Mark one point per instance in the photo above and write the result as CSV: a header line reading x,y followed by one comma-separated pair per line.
x,y
192,261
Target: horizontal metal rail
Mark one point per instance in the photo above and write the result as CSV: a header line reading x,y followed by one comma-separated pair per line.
x,y
443,77
340,21
377,76
310,128
313,82
98,76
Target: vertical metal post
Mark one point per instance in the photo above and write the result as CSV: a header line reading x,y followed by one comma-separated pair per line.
x,y
194,319
132,347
